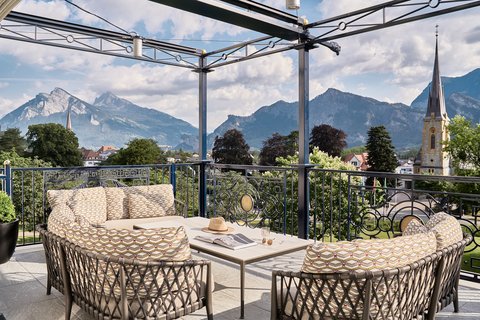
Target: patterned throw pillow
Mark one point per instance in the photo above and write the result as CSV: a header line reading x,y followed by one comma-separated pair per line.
x,y
145,206
58,197
414,227
367,255
163,194
117,203
90,203
447,229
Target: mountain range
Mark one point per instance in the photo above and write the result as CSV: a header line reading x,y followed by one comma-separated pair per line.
x,y
111,120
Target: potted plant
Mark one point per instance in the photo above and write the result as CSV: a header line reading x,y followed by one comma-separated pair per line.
x,y
8,228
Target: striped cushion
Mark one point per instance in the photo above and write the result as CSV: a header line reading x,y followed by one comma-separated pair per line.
x,y
367,255
414,227
145,206
90,203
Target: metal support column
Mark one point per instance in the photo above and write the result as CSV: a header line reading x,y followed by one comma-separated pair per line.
x,y
303,142
202,135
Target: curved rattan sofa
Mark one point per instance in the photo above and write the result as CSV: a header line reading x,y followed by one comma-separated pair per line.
x,y
408,277
414,291
83,232
119,288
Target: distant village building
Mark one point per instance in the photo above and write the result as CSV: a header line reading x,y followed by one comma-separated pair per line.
x,y
359,161
106,151
90,158
431,158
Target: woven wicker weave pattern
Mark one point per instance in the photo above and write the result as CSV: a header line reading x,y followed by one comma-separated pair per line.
x,y
113,287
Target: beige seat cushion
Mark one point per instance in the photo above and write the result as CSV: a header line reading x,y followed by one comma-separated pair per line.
x,y
90,203
163,222
117,203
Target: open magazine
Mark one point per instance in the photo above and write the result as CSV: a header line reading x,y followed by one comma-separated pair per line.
x,y
230,241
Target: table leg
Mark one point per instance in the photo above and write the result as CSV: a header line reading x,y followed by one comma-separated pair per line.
x,y
242,291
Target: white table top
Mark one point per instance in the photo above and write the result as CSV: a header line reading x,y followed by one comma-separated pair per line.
x,y
281,244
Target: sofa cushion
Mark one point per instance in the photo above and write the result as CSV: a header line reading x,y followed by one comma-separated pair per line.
x,y
414,227
367,255
163,194
90,203
117,201
447,229
145,206
164,222
57,197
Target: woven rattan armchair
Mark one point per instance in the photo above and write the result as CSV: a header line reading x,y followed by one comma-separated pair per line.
x,y
403,293
117,288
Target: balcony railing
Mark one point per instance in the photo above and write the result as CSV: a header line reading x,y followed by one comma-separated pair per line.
x,y
343,205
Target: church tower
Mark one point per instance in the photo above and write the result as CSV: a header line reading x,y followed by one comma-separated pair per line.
x,y
68,126
431,158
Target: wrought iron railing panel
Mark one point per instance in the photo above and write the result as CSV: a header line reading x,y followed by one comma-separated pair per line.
x,y
343,205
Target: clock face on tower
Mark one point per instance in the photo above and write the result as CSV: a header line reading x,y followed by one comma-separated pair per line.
x,y
432,130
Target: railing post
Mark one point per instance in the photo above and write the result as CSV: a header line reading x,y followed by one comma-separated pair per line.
x,y
202,190
303,141
202,133
173,178
8,177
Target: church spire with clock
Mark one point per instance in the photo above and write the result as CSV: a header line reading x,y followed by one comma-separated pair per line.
x,y
431,158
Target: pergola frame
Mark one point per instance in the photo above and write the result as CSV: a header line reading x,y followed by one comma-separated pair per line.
x,y
278,27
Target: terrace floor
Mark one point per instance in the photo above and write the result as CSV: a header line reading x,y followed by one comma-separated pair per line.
x,y
23,287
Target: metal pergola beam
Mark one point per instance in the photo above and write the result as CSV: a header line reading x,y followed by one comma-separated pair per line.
x,y
34,29
266,10
358,21
260,22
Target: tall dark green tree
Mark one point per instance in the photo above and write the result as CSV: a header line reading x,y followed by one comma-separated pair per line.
x,y
138,151
231,148
53,143
381,153
328,139
11,139
278,146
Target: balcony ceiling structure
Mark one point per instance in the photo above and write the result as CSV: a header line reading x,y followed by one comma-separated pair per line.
x,y
277,27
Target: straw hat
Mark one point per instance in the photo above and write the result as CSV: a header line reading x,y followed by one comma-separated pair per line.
x,y
218,225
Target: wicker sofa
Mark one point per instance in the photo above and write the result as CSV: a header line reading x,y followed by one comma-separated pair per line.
x,y
96,259
409,277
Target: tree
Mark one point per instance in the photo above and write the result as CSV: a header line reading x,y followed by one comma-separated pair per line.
x,y
12,140
328,139
381,155
138,151
27,193
278,146
231,148
53,143
464,146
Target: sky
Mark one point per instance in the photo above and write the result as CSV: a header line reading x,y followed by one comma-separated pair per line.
x,y
392,65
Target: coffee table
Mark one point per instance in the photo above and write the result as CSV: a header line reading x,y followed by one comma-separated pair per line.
x,y
280,246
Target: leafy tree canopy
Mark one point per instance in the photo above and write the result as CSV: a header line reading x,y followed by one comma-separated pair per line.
x,y
231,148
12,139
53,143
138,151
381,154
322,159
464,146
278,146
328,139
